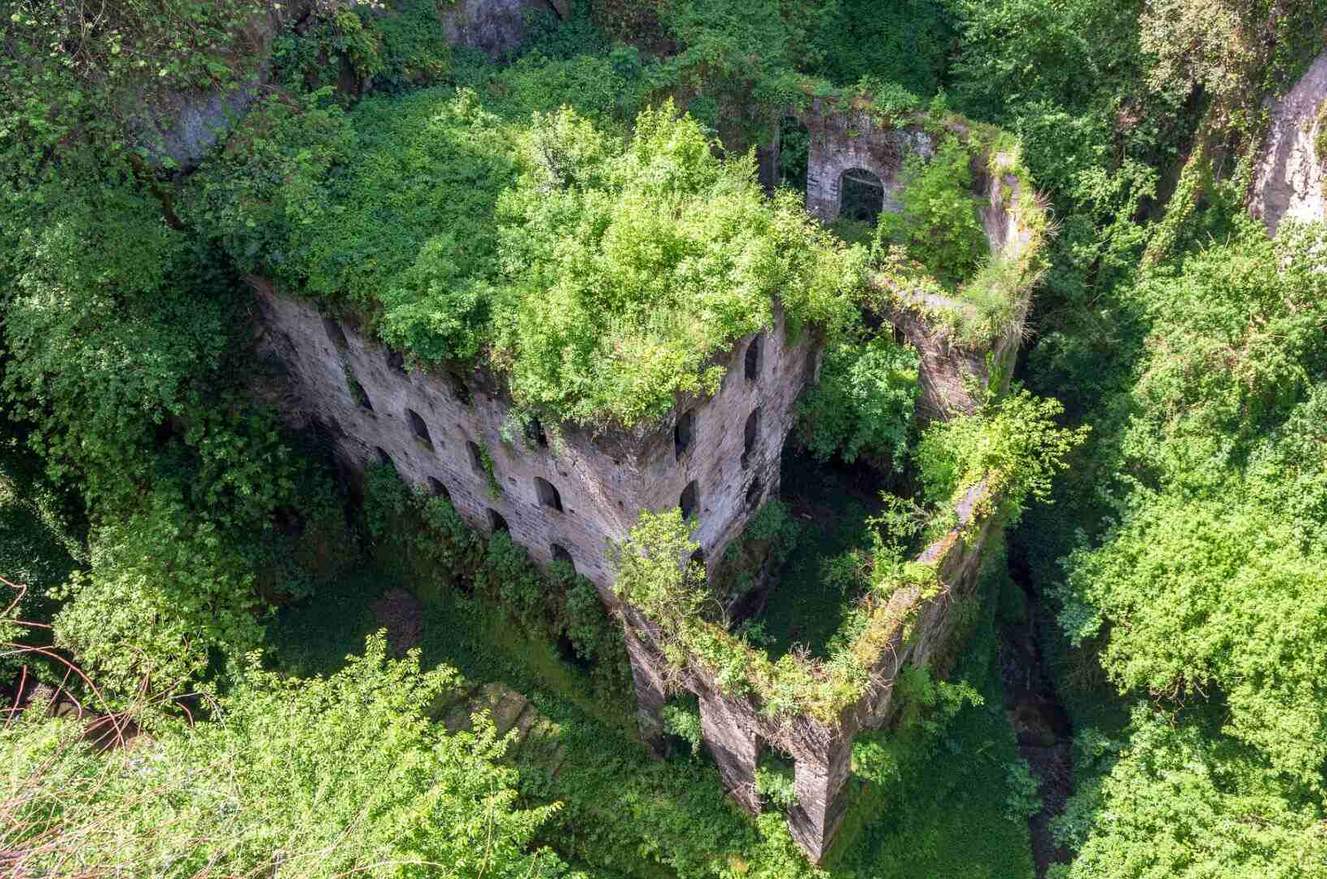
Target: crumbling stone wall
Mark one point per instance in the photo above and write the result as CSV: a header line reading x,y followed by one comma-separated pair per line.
x,y
842,140
1290,174
736,729
442,432
845,140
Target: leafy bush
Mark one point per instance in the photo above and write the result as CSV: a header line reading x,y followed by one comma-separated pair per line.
x,y
683,721
600,275
1014,444
314,777
641,261
863,404
937,218
1183,804
775,786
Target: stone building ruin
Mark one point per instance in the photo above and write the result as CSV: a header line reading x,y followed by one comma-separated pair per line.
x,y
570,494
562,492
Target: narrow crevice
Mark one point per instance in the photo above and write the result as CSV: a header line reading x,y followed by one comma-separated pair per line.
x,y
1040,722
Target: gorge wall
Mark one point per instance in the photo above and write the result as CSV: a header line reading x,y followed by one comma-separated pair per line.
x,y
1292,167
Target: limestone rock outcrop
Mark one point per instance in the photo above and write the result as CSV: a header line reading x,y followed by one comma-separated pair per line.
x,y
1289,178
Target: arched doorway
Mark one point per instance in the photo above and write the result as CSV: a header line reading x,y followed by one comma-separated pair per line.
x,y
861,195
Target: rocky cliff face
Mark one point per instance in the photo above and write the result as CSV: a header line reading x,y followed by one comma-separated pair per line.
x,y
1290,174
495,27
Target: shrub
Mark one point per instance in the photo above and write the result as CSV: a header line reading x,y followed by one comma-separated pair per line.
x,y
863,404
317,777
937,221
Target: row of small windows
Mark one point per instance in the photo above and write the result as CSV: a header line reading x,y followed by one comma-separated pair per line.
x,y
684,431
547,493
497,523
396,363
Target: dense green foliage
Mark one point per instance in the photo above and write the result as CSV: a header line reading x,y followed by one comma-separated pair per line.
x,y
512,216
862,403
937,219
315,777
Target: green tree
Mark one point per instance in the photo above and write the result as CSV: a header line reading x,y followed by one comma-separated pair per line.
x,y
318,777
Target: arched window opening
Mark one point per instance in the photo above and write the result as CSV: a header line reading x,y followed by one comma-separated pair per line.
x,y
418,427
496,523
861,195
750,433
460,390
682,432
335,334
360,396
535,434
560,554
548,494
396,361
476,457
688,501
437,489
753,356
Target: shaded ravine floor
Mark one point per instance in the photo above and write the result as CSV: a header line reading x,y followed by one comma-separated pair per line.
x,y
1040,722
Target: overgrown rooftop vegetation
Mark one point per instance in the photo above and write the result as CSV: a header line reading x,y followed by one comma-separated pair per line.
x,y
532,221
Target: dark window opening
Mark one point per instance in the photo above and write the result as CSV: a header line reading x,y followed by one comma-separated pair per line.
x,y
361,396
861,196
794,150
384,458
418,427
496,523
548,494
396,361
560,554
753,352
534,433
753,492
460,390
476,457
687,503
682,431
437,489
335,334
749,435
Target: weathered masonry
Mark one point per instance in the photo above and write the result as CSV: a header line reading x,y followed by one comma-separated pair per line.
x,y
562,493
